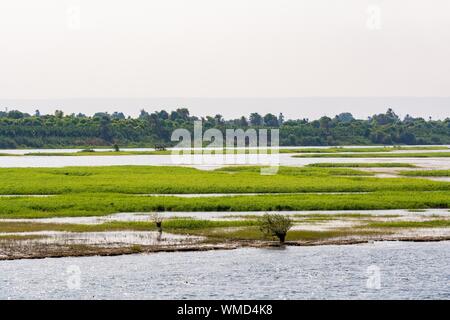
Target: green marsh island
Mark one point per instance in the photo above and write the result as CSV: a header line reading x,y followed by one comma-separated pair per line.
x,y
110,210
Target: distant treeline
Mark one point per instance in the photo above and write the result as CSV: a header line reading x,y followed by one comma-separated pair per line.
x,y
19,130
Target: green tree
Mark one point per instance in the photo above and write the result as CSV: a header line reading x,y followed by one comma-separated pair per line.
x,y
275,225
256,119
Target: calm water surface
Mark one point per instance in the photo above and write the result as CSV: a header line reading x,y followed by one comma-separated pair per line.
x,y
406,271
166,160
284,159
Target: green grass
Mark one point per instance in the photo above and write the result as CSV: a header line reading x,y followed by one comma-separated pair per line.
x,y
103,204
92,191
426,173
175,180
216,230
336,215
138,153
98,153
15,237
170,225
360,149
298,171
253,233
410,224
95,191
361,165
107,152
377,155
213,230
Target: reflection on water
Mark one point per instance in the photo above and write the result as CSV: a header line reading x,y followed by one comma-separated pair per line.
x,y
406,271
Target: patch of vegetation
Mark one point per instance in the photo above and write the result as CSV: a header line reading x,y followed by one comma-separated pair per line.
x,y
116,151
136,248
97,204
377,155
357,150
333,216
361,165
410,224
254,233
178,180
98,153
426,173
275,225
297,235
298,171
171,225
17,237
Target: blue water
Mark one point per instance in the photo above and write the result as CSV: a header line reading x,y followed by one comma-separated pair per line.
x,y
395,270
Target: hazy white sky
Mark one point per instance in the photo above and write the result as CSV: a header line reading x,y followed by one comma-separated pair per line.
x,y
59,49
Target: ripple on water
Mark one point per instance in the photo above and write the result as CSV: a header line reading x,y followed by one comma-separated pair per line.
x,y
406,270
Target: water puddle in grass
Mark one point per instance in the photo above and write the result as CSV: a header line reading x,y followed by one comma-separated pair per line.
x,y
323,225
147,216
203,195
386,175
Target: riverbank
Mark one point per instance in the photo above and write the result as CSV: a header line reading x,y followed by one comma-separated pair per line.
x,y
135,233
18,252
407,270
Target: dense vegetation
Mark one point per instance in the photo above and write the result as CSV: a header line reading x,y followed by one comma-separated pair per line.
x,y
90,191
141,180
378,155
98,204
19,129
362,165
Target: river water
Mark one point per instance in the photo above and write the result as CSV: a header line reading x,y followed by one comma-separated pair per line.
x,y
404,270
381,270
284,159
204,162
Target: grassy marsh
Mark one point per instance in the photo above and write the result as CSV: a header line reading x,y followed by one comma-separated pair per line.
x,y
103,204
247,229
426,173
108,152
410,224
362,149
180,180
93,191
361,165
169,225
377,155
